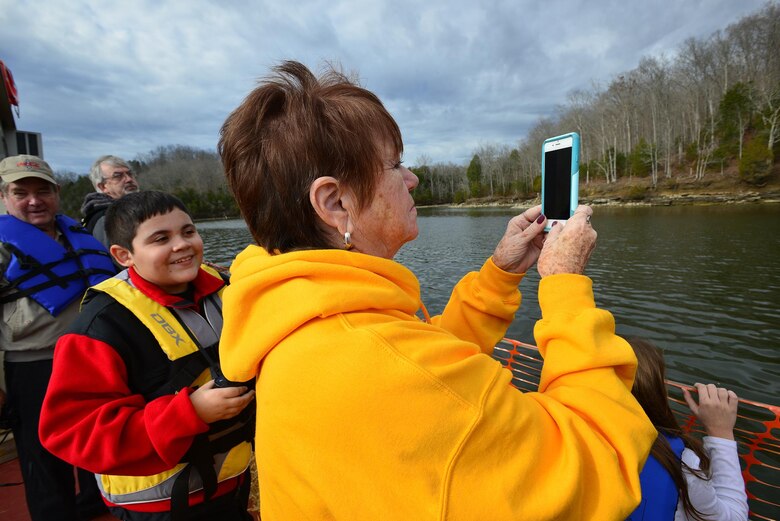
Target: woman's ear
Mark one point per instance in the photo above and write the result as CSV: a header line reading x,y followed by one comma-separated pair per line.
x,y
326,198
121,255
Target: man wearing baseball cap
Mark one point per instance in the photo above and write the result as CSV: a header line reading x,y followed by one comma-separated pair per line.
x,y
47,261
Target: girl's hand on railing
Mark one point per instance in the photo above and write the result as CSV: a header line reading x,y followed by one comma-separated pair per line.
x,y
716,410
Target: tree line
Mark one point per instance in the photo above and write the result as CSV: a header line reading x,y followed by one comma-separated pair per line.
x,y
715,103
194,175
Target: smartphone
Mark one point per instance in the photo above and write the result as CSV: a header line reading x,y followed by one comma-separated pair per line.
x,y
560,177
221,381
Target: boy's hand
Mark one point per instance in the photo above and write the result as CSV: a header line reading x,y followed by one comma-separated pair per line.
x,y
220,403
716,410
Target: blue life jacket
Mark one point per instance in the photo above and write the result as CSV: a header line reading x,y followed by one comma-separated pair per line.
x,y
659,492
46,271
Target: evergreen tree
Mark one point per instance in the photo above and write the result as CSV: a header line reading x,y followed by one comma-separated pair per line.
x,y
474,176
734,116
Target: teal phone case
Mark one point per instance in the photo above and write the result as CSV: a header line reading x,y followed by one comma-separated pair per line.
x,y
575,172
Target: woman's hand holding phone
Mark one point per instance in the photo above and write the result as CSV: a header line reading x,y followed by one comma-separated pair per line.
x,y
522,242
567,249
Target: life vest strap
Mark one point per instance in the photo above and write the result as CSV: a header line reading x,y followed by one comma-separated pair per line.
x,y
201,459
226,434
200,456
12,291
189,369
78,228
28,262
35,267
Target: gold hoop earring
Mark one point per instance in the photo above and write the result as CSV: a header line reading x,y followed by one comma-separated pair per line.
x,y
348,241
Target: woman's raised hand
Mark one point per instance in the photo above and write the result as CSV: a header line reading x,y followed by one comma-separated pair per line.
x,y
567,248
522,242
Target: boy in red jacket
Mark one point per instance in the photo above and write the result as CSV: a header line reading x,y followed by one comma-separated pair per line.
x,y
132,395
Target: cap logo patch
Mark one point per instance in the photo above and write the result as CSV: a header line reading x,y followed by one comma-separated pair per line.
x,y
29,165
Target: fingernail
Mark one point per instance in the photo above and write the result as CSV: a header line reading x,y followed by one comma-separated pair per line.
x,y
540,219
553,224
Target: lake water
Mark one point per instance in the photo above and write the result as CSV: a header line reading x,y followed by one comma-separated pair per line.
x,y
703,282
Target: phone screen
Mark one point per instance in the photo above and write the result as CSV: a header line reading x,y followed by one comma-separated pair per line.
x,y
557,183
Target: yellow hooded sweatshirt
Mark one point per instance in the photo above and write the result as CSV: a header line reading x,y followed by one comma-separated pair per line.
x,y
366,412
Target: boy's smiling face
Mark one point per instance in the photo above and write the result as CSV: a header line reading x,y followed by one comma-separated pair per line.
x,y
167,251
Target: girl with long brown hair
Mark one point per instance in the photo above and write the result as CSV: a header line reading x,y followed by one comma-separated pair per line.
x,y
685,479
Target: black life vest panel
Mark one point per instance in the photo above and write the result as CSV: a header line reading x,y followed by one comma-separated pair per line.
x,y
189,341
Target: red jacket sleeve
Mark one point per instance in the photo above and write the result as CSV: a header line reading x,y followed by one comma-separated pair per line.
x,y
91,419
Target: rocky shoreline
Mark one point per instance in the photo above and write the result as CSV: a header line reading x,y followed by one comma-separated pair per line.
x,y
676,199
688,199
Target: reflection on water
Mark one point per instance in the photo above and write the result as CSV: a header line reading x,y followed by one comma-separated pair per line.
x,y
701,281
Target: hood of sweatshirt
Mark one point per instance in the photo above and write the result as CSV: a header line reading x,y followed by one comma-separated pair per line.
x,y
271,296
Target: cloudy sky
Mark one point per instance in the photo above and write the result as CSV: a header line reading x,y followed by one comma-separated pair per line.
x,y
98,77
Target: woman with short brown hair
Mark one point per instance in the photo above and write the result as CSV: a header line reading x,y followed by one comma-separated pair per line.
x,y
297,129
365,410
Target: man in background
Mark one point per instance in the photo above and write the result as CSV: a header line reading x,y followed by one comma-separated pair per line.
x,y
112,178
47,261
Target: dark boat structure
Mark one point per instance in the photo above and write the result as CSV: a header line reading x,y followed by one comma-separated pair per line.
x,y
12,140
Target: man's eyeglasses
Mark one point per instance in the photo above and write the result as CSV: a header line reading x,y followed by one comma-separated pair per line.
x,y
118,176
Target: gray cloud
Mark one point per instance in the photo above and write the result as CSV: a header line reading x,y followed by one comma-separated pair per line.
x,y
123,78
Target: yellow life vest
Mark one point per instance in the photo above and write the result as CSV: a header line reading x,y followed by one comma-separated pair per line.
x,y
177,341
